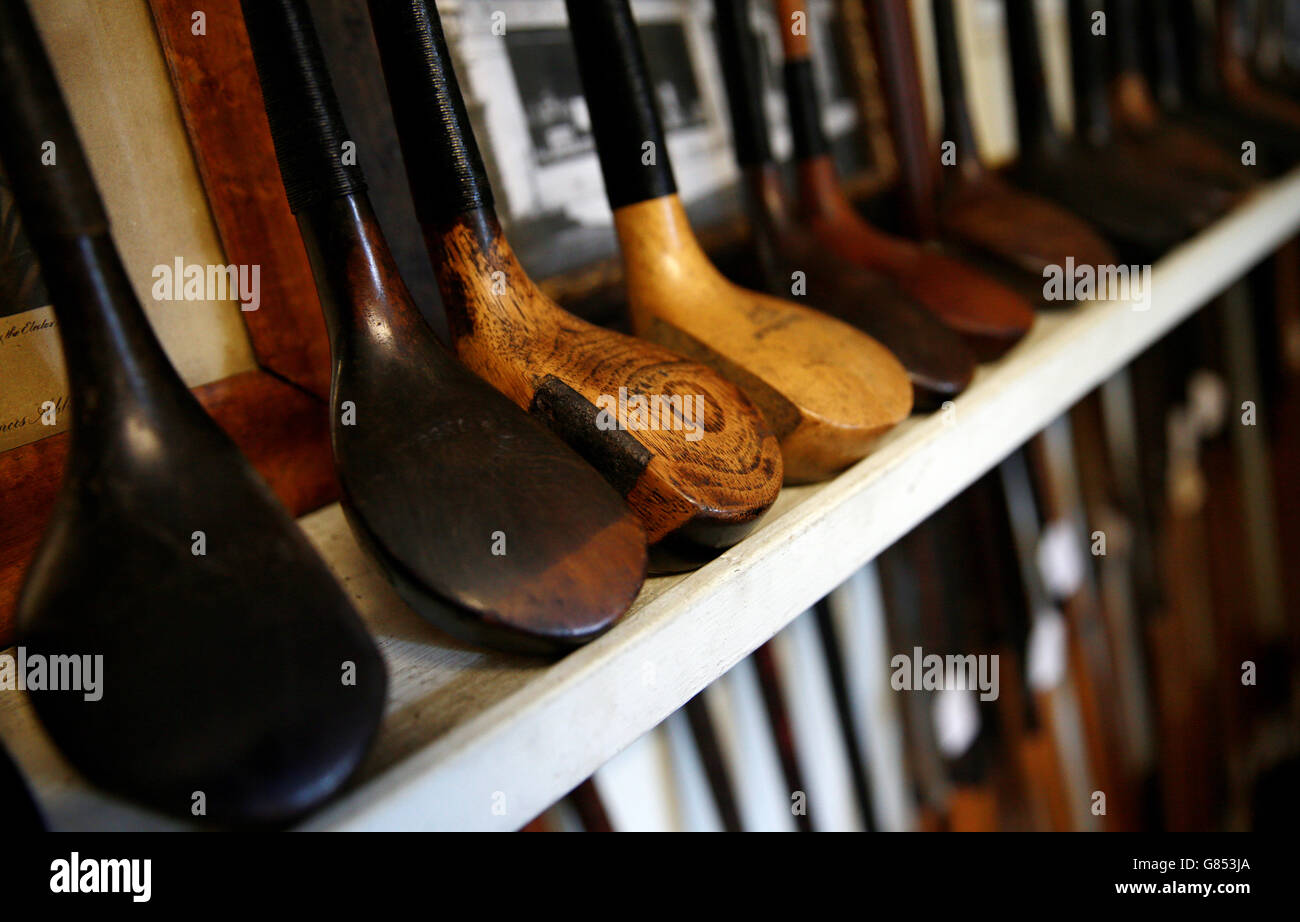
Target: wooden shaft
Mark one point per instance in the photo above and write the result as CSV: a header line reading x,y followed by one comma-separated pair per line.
x,y
1036,129
1087,65
590,807
894,43
833,655
778,718
715,764
956,110
792,22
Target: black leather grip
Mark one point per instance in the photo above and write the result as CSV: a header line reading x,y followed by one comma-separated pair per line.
x,y
1033,108
1124,25
805,110
53,186
738,50
443,162
621,99
306,122
952,83
1087,66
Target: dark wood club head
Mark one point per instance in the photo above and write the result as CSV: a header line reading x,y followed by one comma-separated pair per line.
x,y
691,455
940,365
196,650
980,210
226,644
486,522
1021,229
990,316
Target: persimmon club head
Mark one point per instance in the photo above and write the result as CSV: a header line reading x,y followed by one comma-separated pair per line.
x,y
989,315
699,466
828,390
938,362
981,210
208,632
485,522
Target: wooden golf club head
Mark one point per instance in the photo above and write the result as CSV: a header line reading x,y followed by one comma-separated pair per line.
x,y
228,667
1129,213
983,211
938,362
827,390
1190,81
937,359
1199,204
485,522
17,805
989,315
1134,106
1240,84
703,467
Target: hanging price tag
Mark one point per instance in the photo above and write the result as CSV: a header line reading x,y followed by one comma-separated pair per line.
x,y
1046,654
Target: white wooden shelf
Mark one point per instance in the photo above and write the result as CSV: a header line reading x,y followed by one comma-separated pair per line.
x,y
479,740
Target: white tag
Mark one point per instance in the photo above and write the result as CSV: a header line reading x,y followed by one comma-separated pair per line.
x,y
1207,402
1059,559
1046,651
956,721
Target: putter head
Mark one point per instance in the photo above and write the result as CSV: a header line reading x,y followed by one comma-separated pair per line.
x,y
226,643
692,456
486,523
828,390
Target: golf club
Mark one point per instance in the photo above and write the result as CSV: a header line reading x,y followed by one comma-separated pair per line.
x,y
486,522
826,389
939,364
700,473
235,682
990,316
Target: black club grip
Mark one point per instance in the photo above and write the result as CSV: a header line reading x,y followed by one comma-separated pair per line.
x,y
443,163
621,100
306,122
952,82
53,186
738,49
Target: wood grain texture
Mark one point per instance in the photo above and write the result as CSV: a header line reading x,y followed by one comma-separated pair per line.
x,y
990,316
701,488
487,524
465,722
827,390
217,89
282,430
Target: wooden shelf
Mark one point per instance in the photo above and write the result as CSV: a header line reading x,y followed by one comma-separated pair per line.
x,y
477,740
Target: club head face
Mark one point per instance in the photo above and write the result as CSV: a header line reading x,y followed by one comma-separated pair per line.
x,y
488,524
234,682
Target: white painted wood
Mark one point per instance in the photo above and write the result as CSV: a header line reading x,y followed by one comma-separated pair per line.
x,y
478,740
